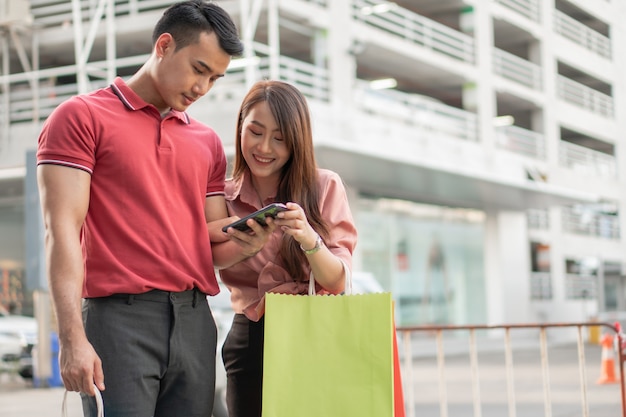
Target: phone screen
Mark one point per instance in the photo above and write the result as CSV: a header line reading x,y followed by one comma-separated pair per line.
x,y
270,210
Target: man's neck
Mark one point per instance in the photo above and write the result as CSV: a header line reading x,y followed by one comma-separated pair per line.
x,y
144,86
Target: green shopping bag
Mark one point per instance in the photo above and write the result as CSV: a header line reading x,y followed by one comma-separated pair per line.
x,y
328,356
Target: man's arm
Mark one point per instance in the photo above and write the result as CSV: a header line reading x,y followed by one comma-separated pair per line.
x,y
229,249
64,196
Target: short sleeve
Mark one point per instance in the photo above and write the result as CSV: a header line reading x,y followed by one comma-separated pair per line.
x,y
68,137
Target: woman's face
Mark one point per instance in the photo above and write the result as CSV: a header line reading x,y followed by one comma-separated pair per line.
x,y
262,144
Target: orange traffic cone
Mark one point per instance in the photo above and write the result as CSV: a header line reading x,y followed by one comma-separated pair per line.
x,y
607,375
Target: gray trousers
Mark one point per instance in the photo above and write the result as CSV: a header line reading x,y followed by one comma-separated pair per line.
x,y
157,351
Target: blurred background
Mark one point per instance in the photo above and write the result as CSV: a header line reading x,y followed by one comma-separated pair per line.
x,y
480,141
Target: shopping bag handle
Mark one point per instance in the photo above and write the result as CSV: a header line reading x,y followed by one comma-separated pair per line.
x,y
99,403
348,286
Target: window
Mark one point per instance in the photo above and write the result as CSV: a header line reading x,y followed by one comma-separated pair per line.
x,y
540,276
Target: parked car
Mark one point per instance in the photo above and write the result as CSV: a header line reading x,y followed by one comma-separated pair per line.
x,y
18,335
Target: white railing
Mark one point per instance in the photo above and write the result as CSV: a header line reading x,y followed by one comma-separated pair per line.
x,y
417,110
516,69
582,35
540,285
527,8
587,161
417,29
55,12
581,287
322,3
521,141
538,219
582,96
29,105
21,108
311,80
591,223
508,370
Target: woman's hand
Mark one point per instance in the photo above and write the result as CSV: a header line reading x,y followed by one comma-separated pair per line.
x,y
294,223
327,268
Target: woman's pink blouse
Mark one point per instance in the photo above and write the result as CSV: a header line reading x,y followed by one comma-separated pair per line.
x,y
249,280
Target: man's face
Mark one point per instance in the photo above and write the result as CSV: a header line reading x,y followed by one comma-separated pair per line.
x,y
183,76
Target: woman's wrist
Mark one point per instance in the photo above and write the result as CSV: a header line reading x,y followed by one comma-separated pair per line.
x,y
311,249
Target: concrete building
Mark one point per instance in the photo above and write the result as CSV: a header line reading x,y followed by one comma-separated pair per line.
x,y
480,140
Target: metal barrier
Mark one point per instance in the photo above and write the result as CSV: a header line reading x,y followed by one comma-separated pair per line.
x,y
408,358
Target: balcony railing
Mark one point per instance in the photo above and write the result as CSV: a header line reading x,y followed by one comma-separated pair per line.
x,y
581,287
587,161
581,34
417,29
589,223
311,80
540,285
587,98
48,13
521,141
516,69
418,110
26,105
527,8
322,3
538,219
23,108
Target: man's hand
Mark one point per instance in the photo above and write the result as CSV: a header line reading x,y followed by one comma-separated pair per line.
x,y
215,229
81,367
253,241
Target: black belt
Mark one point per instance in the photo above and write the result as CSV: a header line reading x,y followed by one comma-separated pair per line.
x,y
161,296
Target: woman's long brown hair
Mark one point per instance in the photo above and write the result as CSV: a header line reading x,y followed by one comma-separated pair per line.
x,y
298,180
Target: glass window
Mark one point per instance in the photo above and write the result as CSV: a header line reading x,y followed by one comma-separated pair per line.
x,y
429,257
581,278
540,276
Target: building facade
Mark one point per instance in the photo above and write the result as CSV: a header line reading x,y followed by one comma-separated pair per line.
x,y
480,141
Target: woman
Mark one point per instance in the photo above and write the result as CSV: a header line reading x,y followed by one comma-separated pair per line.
x,y
275,162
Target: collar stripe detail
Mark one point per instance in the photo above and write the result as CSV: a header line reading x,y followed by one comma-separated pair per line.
x,y
183,116
121,96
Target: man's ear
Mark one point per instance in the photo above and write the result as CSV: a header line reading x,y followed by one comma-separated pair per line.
x,y
164,43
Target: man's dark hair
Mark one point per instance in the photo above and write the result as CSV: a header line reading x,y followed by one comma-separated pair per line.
x,y
186,20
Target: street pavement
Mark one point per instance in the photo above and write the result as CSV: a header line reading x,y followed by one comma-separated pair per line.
x,y
20,399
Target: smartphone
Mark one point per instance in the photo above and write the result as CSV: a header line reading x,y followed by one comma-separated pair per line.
x,y
268,211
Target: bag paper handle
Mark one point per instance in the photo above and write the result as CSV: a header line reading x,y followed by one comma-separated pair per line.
x,y
348,287
99,403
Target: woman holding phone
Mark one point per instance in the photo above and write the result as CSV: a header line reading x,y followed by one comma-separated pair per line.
x,y
275,163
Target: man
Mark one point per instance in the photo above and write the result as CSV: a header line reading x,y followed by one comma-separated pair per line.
x,y
128,182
